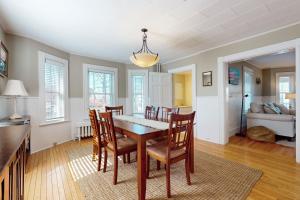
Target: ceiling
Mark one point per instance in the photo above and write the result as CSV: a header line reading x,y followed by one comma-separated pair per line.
x,y
110,29
274,60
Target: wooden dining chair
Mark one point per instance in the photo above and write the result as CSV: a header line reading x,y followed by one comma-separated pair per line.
x,y
117,110
98,140
151,112
119,147
166,113
176,148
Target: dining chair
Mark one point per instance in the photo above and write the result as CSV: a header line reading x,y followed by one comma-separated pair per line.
x,y
117,110
166,113
176,148
98,140
119,147
151,112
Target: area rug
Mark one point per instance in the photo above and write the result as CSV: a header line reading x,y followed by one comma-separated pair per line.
x,y
214,178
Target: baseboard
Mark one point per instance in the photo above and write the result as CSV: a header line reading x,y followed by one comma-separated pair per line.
x,y
50,146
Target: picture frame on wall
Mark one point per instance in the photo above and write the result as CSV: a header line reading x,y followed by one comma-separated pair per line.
x,y
207,78
3,60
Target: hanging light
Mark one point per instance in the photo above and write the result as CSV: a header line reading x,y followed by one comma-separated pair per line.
x,y
144,57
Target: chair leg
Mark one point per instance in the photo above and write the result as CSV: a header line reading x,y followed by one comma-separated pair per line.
x,y
124,158
115,169
105,160
148,165
157,165
99,157
187,170
94,152
168,181
128,158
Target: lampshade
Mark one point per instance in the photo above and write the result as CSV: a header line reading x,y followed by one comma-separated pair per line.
x,y
14,88
144,59
290,95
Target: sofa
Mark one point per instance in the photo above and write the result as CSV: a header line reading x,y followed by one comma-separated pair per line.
x,y
281,120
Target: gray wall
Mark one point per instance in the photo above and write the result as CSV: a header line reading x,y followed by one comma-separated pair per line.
x,y
207,61
76,70
23,61
23,65
269,79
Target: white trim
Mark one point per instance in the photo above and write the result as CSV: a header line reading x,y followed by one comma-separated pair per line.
x,y
130,72
85,68
192,68
230,43
278,74
42,56
223,86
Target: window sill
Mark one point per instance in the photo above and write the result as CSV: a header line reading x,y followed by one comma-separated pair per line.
x,y
47,123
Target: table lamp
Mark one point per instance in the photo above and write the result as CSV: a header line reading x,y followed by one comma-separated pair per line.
x,y
290,96
15,88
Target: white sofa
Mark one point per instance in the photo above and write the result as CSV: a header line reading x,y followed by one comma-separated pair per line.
x,y
281,124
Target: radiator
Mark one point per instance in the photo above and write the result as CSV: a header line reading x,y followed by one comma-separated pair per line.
x,y
84,129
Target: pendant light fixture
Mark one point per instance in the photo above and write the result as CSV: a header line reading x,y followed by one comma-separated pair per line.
x,y
144,57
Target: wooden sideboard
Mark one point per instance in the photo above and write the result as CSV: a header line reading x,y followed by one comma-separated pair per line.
x,y
14,149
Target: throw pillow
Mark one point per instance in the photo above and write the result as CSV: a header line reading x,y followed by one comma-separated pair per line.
x,y
271,106
284,110
292,111
256,108
269,110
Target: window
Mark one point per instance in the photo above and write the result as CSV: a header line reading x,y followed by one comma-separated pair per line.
x,y
285,83
137,90
53,88
100,86
138,93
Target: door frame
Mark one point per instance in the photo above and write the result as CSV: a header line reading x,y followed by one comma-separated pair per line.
x,y
129,109
223,95
192,68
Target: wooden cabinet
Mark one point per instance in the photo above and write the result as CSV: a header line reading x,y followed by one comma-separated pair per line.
x,y
13,165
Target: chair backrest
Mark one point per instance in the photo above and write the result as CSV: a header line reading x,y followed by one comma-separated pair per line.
x,y
117,110
107,128
94,123
166,113
151,112
180,130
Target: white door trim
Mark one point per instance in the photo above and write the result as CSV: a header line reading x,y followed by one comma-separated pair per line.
x,y
223,86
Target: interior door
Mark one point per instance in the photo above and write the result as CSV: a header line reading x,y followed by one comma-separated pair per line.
x,y
160,89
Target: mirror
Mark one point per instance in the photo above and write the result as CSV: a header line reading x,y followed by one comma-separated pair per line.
x,y
207,78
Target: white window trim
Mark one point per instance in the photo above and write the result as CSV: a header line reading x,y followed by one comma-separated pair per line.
x,y
86,68
146,87
278,74
42,56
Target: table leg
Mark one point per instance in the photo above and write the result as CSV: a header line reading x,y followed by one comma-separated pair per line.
x,y
192,167
141,177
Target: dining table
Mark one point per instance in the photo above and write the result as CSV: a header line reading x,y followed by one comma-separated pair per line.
x,y
142,130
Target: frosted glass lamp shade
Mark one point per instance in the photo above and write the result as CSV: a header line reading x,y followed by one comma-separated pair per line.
x,y
144,59
14,88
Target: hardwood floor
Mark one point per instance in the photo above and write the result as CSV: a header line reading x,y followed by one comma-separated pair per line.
x,y
48,175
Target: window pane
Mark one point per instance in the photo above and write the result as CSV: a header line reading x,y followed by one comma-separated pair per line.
x,y
100,88
54,90
138,93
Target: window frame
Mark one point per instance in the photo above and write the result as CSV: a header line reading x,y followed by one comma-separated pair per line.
x,y
98,68
42,56
138,72
280,74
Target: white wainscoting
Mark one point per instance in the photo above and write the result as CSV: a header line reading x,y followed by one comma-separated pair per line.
x,y
208,119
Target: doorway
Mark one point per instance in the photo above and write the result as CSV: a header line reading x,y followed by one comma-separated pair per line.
x,y
223,86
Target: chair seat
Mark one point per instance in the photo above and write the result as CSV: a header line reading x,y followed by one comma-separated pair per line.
x,y
157,140
159,151
124,145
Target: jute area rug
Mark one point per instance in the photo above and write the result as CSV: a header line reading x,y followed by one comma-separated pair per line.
x,y
214,178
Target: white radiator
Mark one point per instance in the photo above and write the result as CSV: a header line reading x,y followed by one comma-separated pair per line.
x,y
84,129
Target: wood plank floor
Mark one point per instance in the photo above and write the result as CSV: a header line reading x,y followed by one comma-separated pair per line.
x,y
48,175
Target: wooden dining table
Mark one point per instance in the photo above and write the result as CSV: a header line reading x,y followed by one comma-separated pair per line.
x,y
141,133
